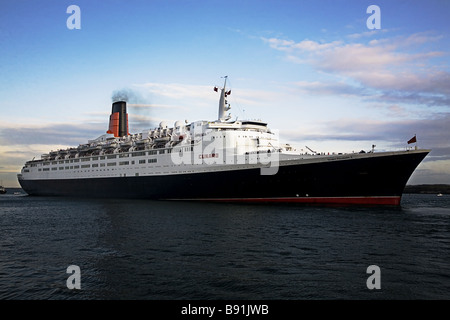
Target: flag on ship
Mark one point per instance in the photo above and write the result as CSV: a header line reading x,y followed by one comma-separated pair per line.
x,y
412,140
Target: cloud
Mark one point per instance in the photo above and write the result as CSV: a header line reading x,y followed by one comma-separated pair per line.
x,y
178,91
52,134
331,88
398,68
432,133
367,33
435,172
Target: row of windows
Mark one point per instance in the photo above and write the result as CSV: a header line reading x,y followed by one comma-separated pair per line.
x,y
112,156
95,165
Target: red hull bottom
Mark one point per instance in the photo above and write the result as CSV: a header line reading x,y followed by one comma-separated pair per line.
x,y
381,200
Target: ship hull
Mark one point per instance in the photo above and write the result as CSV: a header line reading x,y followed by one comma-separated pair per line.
x,y
367,179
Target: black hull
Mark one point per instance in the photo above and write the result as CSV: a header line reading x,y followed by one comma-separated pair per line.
x,y
362,180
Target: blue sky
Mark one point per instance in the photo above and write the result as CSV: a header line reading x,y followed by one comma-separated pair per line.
x,y
312,69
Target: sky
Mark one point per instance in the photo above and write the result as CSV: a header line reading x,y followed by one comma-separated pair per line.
x,y
323,73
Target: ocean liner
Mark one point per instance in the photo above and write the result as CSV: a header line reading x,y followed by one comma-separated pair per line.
x,y
222,160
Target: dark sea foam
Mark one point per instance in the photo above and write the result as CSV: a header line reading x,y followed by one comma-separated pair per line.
x,y
133,249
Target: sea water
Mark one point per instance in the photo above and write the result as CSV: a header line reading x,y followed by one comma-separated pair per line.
x,y
161,250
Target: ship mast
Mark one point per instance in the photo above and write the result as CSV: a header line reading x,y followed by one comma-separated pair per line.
x,y
223,104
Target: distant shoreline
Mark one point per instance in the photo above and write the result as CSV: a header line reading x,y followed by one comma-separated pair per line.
x,y
417,188
428,188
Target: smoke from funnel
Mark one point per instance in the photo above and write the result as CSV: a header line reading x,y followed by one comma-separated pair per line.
x,y
138,105
126,95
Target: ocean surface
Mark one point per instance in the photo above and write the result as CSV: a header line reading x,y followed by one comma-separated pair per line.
x,y
152,250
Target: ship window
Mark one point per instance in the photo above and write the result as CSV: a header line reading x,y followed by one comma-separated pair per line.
x,y
76,167
95,165
102,164
61,162
138,154
76,160
124,163
152,152
94,158
85,159
151,160
112,156
66,168
102,158
61,168
111,164
46,169
124,155
84,166
141,161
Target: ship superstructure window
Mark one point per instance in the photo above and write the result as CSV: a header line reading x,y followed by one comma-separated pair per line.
x,y
85,159
138,154
95,165
111,164
124,155
84,166
112,156
124,163
141,161
151,160
152,152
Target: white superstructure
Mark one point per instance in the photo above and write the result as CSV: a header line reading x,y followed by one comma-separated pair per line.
x,y
198,146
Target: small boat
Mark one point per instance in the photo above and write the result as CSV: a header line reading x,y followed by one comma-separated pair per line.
x,y
2,190
439,195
